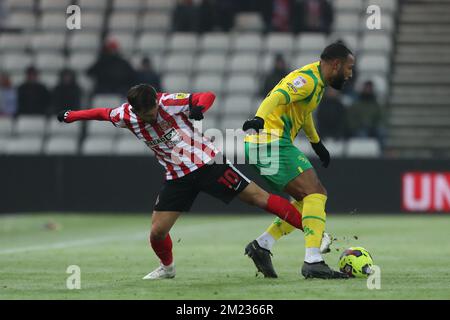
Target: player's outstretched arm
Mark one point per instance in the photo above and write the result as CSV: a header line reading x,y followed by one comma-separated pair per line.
x,y
101,114
267,106
200,103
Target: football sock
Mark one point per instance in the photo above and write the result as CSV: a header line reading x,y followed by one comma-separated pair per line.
x,y
284,210
266,240
163,249
314,219
281,228
313,255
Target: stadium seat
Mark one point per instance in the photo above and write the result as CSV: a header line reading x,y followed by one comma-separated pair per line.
x,y
363,147
279,42
157,61
373,63
302,60
208,82
101,129
6,126
215,41
211,62
243,63
61,145
266,63
153,5
97,146
92,21
156,21
107,101
58,129
55,22
385,5
376,43
348,5
183,42
24,145
335,147
16,62
49,79
248,21
128,5
14,42
85,82
81,61
232,122
209,122
241,84
22,20
23,5
237,104
310,43
346,22
34,125
247,42
49,61
89,41
349,39
119,21
178,62
149,43
176,83
54,5
130,147
97,5
3,144
48,42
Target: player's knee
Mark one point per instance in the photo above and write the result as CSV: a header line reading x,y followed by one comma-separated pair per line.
x,y
157,234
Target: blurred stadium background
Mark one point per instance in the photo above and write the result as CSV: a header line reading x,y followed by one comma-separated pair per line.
x,y
397,107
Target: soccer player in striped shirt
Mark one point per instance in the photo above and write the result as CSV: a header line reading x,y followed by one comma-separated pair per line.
x,y
163,121
283,113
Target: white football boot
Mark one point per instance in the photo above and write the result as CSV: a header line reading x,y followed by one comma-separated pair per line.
x,y
162,272
327,240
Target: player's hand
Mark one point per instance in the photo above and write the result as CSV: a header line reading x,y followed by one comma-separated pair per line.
x,y
322,153
62,115
196,113
256,124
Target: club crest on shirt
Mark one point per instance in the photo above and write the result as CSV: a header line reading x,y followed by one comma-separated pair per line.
x,y
299,82
164,125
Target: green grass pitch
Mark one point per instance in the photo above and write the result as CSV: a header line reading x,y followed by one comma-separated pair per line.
x,y
112,251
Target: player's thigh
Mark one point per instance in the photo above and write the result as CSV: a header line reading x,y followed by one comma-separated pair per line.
x,y
304,184
223,181
177,195
254,195
162,222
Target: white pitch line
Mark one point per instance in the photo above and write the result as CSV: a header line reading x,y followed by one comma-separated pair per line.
x,y
98,240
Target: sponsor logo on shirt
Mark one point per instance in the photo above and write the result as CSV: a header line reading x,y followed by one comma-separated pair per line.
x,y
299,82
172,136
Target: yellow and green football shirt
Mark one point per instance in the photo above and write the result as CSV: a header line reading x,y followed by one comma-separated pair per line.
x,y
302,90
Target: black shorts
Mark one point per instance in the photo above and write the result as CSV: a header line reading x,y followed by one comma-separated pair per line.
x,y
222,181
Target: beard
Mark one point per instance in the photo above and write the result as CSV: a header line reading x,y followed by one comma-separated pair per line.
x,y
338,82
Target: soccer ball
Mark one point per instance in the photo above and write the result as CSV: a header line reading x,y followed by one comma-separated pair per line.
x,y
356,262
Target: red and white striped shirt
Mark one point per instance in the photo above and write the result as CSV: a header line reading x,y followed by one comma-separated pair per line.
x,y
178,146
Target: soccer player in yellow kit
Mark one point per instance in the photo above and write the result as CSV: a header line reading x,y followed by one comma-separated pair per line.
x,y
285,111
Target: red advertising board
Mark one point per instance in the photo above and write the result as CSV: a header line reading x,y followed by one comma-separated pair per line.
x,y
426,191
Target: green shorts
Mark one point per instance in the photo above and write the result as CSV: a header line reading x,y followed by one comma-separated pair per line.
x,y
278,162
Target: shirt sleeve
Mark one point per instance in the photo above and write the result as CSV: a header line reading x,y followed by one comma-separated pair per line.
x,y
117,117
296,87
310,129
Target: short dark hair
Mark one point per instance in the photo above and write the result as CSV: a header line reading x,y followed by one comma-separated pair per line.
x,y
336,50
142,97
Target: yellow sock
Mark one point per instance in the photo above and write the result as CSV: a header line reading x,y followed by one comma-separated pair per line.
x,y
314,219
279,227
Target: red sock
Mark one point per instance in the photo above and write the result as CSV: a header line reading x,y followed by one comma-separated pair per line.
x,y
284,210
163,249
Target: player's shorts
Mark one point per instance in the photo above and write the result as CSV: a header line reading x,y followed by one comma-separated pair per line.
x,y
278,162
222,181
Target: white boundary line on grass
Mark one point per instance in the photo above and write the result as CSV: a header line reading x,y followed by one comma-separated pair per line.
x,y
98,240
